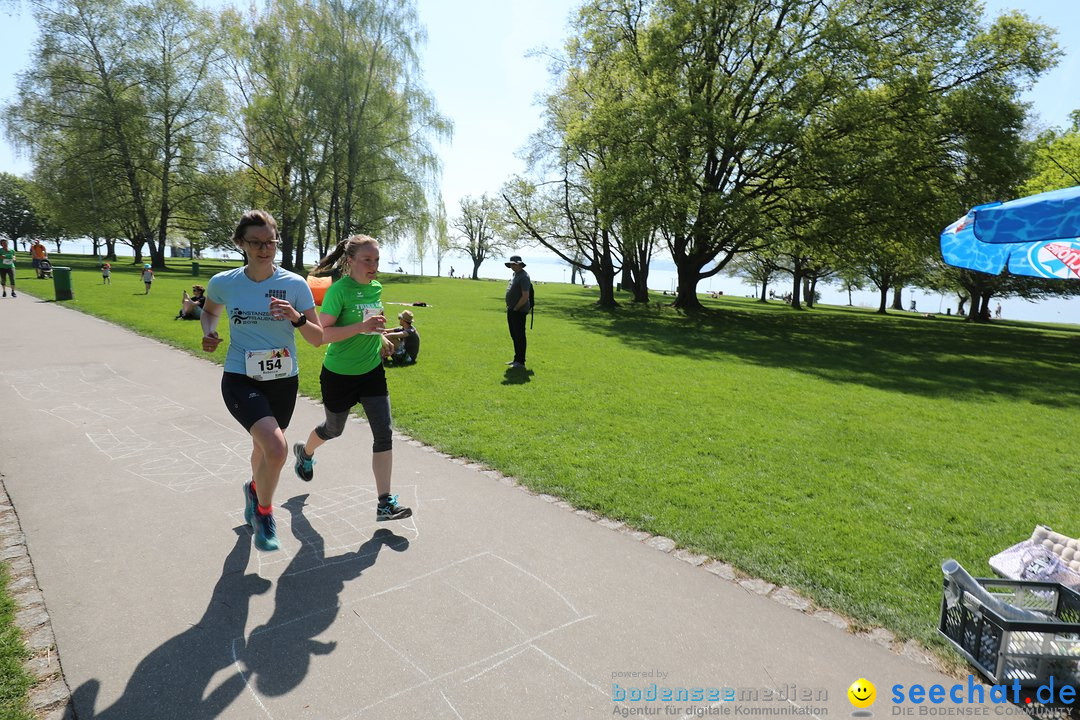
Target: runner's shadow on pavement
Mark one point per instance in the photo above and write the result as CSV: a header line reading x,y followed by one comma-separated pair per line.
x,y
175,677
278,654
174,680
517,376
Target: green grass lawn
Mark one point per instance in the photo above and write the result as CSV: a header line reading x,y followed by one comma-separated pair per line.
x,y
840,452
14,679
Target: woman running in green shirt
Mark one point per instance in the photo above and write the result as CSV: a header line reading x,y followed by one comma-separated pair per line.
x,y
353,321
7,267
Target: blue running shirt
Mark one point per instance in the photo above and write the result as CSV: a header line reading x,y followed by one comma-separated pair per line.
x,y
247,305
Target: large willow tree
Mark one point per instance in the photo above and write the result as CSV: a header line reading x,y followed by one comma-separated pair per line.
x,y
334,123
122,100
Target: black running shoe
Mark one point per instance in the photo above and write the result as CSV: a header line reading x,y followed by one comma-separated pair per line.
x,y
305,466
390,510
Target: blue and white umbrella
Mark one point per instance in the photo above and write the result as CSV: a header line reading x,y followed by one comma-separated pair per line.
x,y
1036,236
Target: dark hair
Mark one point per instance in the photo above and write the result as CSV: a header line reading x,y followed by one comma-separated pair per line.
x,y
253,218
345,250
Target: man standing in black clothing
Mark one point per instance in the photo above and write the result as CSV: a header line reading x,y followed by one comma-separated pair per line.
x,y
518,302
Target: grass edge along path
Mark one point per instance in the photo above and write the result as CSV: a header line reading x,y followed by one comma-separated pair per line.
x,y
31,684
836,452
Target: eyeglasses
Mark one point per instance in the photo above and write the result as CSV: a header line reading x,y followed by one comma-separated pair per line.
x,y
267,245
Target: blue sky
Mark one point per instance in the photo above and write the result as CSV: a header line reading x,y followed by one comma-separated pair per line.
x,y
476,66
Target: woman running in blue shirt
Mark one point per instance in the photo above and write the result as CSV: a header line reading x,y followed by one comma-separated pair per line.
x,y
265,305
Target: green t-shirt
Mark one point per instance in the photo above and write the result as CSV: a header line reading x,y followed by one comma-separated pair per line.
x,y
346,299
7,258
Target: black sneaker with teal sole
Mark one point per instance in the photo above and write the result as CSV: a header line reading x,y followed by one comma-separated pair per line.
x,y
266,533
263,526
250,501
305,466
390,510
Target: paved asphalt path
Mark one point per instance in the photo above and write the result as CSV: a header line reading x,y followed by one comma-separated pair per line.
x,y
125,471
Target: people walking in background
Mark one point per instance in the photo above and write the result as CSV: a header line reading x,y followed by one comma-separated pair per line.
x,y
266,305
997,311
147,277
518,302
106,273
353,321
7,267
38,253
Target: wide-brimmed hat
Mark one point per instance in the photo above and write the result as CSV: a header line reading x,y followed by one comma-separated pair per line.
x,y
514,260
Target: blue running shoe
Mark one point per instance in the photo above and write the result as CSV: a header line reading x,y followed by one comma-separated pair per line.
x,y
266,533
390,510
250,501
305,466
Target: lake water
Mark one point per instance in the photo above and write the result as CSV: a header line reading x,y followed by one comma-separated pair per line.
x,y
662,276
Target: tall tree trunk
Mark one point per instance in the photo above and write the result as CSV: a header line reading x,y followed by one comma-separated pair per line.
x,y
896,300
796,286
884,299
686,294
640,257
604,271
605,282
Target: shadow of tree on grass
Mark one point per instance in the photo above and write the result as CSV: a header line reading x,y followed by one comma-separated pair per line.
x,y
937,357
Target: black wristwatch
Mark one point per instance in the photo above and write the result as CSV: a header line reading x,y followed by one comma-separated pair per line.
x,y
300,321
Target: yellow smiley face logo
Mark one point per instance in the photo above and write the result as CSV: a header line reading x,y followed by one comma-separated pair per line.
x,y
862,693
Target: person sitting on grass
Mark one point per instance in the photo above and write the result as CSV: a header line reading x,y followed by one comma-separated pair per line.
x,y
406,340
191,305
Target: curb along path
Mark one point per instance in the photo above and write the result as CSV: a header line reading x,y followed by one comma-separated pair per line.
x,y
49,693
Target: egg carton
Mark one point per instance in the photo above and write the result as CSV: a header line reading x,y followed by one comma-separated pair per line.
x,y
1046,556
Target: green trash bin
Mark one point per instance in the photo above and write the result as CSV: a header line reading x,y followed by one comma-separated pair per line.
x,y
195,269
62,282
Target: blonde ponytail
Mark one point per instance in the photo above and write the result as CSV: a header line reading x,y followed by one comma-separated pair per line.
x,y
340,255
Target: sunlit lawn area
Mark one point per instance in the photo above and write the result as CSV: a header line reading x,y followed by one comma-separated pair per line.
x,y
14,680
836,451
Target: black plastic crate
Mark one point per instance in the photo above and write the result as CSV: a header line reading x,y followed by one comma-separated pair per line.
x,y
1007,650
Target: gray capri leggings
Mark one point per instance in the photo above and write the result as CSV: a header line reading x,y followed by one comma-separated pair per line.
x,y
377,410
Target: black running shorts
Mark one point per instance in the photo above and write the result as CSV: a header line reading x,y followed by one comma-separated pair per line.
x,y
341,392
249,401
